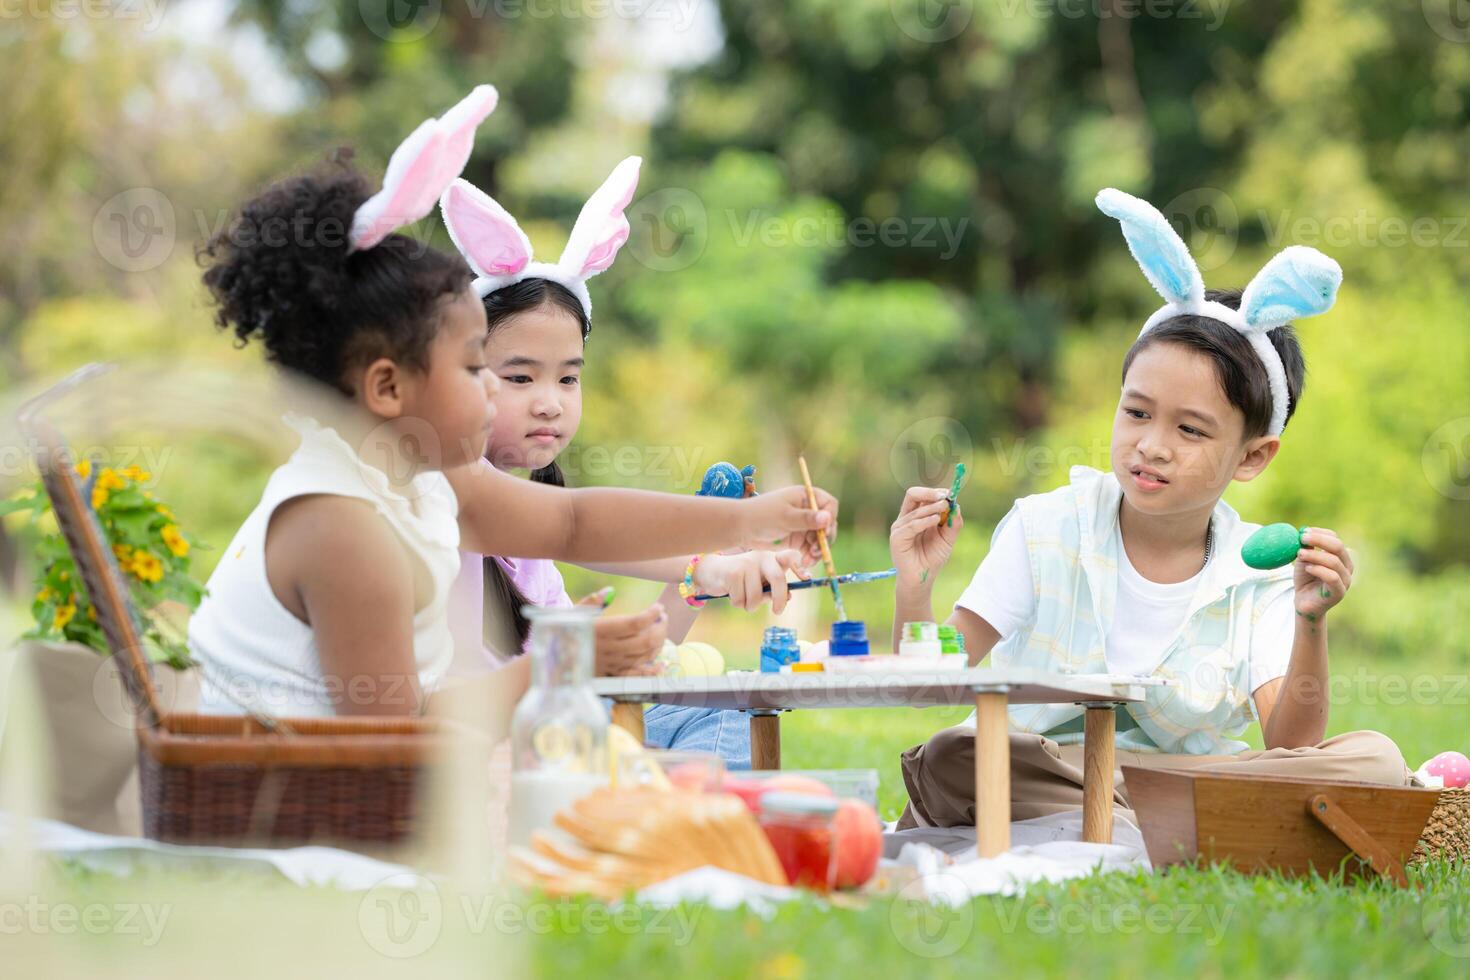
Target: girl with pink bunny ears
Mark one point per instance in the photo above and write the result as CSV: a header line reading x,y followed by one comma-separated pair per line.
x,y
333,597
499,252
539,316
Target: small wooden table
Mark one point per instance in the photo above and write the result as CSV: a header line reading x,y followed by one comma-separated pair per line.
x,y
990,689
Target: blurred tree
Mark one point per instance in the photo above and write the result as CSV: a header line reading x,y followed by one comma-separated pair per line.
x,y
1251,126
759,279
374,66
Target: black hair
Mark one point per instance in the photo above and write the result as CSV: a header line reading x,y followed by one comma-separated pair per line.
x,y
500,306
282,272
1240,371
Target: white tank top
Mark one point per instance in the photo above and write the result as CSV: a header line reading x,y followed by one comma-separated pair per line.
x,y
254,648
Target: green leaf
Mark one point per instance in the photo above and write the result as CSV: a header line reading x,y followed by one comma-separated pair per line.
x,y
135,525
126,500
33,503
86,632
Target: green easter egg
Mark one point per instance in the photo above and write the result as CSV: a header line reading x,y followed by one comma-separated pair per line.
x,y
1272,546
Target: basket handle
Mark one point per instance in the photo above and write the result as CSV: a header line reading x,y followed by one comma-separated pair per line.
x,y
1358,840
94,560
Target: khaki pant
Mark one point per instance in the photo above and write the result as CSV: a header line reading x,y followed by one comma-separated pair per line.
x,y
1046,778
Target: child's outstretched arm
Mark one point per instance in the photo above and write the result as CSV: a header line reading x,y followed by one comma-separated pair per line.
x,y
500,514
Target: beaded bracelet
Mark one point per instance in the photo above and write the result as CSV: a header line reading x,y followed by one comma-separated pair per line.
x,y
686,587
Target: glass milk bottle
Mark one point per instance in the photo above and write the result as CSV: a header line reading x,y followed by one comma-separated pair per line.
x,y
559,729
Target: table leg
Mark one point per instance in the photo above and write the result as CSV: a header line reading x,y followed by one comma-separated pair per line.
x,y
765,740
992,775
1097,775
628,715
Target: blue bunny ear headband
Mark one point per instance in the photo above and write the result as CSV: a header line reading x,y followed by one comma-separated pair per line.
x,y
1297,282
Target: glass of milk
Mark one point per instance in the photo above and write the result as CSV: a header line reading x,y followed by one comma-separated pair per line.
x,y
559,729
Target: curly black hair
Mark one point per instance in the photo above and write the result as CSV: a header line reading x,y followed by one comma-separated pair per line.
x,y
1241,373
282,273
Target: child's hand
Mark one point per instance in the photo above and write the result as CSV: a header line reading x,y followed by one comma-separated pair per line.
x,y
1324,572
920,541
744,577
784,517
626,645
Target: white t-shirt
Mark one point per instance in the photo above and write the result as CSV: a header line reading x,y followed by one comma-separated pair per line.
x,y
1146,617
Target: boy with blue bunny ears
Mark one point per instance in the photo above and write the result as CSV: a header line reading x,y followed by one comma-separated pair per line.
x,y
1138,571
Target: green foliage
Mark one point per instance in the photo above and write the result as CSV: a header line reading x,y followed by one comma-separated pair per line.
x,y
775,325
151,550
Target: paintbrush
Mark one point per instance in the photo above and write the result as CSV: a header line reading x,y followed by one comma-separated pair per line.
x,y
817,583
811,497
954,494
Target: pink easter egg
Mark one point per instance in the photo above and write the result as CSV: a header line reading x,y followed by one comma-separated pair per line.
x,y
1452,767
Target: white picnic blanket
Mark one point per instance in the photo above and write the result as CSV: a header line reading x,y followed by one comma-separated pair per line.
x,y
328,866
937,864
1044,849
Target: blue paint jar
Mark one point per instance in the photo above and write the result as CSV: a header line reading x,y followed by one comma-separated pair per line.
x,y
849,638
778,648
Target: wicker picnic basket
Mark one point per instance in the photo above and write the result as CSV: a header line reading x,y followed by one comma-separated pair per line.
x,y
1447,831
355,782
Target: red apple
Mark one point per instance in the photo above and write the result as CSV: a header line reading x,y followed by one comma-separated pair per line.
x,y
859,842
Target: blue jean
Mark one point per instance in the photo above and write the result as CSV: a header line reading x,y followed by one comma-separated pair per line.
x,y
725,733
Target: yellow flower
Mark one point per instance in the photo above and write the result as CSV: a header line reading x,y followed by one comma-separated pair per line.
x,y
784,966
84,469
64,576
175,540
92,613
123,552
147,567
44,594
137,474
99,497
165,512
109,479
63,615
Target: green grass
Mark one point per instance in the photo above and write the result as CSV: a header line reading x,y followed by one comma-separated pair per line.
x,y
1204,922
1193,921
1197,922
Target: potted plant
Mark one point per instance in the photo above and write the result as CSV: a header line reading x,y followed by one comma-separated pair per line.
x,y
85,710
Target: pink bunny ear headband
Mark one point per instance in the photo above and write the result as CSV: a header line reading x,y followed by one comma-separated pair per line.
x,y
499,252
420,169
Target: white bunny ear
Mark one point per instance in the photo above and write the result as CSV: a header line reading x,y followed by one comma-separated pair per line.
x,y
459,125
601,228
420,168
1156,246
483,231
1299,281
412,167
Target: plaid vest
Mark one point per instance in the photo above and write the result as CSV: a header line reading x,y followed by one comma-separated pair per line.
x,y
1074,552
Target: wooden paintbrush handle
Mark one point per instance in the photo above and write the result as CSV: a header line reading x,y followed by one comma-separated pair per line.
x,y
811,498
